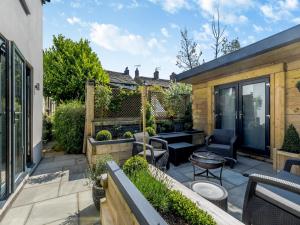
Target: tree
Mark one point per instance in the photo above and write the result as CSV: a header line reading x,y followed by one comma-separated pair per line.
x,y
67,67
230,46
218,34
188,57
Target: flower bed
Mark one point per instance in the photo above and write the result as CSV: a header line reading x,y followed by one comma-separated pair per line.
x,y
174,207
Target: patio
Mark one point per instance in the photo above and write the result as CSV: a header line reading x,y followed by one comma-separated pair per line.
x,y
56,193
234,180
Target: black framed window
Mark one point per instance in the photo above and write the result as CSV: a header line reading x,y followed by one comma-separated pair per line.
x,y
3,116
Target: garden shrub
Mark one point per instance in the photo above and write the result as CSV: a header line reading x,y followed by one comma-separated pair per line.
x,y
150,120
135,164
68,125
151,131
291,141
155,189
103,135
128,135
167,126
47,128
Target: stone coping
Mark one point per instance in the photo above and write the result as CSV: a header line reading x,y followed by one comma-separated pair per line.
x,y
94,142
138,204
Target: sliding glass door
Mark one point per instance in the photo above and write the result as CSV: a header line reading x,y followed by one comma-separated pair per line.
x,y
244,107
3,118
18,113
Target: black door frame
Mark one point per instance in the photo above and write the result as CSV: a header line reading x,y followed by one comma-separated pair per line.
x,y
238,125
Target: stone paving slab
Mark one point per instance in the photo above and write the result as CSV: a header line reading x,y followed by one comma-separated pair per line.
x,y
56,194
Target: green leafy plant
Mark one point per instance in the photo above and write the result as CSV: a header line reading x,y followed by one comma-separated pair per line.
x,y
176,99
103,135
150,119
291,141
47,128
156,189
150,131
188,210
68,123
167,126
127,135
103,96
119,97
298,85
135,164
94,173
68,65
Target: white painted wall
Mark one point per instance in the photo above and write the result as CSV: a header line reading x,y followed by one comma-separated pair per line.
x,y
27,33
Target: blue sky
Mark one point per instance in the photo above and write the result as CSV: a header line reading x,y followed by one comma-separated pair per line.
x,y
131,32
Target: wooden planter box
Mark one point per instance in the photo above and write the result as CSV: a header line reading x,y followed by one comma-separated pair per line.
x,y
279,158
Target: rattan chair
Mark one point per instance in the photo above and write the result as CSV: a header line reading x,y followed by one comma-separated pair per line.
x,y
157,152
273,200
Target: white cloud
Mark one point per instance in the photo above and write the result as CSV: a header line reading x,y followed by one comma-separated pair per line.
x,y
76,4
171,6
231,11
117,6
113,38
278,10
75,20
164,32
296,20
249,40
258,28
175,26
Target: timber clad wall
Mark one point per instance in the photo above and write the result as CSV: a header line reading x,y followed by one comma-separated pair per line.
x,y
284,98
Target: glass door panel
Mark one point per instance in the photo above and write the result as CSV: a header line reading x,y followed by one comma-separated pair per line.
x,y
18,137
226,108
253,115
3,118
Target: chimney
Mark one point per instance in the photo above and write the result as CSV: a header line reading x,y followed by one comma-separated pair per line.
x,y
137,73
173,77
126,72
156,74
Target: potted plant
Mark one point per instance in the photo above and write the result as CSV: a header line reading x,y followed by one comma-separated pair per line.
x,y
95,176
289,149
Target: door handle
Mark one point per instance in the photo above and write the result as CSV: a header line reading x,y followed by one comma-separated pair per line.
x,y
241,115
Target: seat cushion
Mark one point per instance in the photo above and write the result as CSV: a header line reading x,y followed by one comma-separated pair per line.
x,y
157,153
223,136
219,147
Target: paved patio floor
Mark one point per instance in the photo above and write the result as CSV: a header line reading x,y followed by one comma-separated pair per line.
x,y
234,180
56,193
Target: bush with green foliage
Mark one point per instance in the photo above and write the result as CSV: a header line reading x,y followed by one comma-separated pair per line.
x,y
298,85
183,206
103,135
47,128
103,96
167,126
291,142
94,173
188,117
68,65
156,190
127,135
150,120
135,164
150,131
68,126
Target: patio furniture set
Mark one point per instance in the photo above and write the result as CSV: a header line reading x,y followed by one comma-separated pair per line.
x,y
268,200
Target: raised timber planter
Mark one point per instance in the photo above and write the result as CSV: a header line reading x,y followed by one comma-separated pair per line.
x,y
120,149
281,156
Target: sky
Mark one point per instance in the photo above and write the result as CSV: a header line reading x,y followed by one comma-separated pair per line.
x,y
126,33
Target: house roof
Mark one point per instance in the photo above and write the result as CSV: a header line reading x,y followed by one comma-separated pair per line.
x,y
154,82
120,78
276,41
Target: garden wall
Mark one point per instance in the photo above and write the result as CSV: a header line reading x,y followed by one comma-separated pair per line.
x,y
124,204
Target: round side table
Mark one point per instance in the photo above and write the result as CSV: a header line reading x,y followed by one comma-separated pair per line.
x,y
213,192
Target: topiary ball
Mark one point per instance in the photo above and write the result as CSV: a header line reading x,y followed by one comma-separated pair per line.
x,y
127,135
291,141
103,135
134,165
151,131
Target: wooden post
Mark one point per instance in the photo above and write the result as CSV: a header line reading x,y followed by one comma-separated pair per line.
x,y
144,100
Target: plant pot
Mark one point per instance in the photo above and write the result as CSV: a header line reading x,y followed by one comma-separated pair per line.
x,y
98,193
280,157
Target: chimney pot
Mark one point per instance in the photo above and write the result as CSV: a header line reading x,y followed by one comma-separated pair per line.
x,y
156,74
126,71
137,73
172,77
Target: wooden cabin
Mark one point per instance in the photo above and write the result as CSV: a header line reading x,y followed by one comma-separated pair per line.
x,y
252,90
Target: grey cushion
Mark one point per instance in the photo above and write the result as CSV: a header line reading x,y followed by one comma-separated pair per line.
x,y
218,147
222,136
157,154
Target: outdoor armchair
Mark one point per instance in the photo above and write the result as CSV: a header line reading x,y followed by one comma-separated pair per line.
x,y
273,200
157,152
223,142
